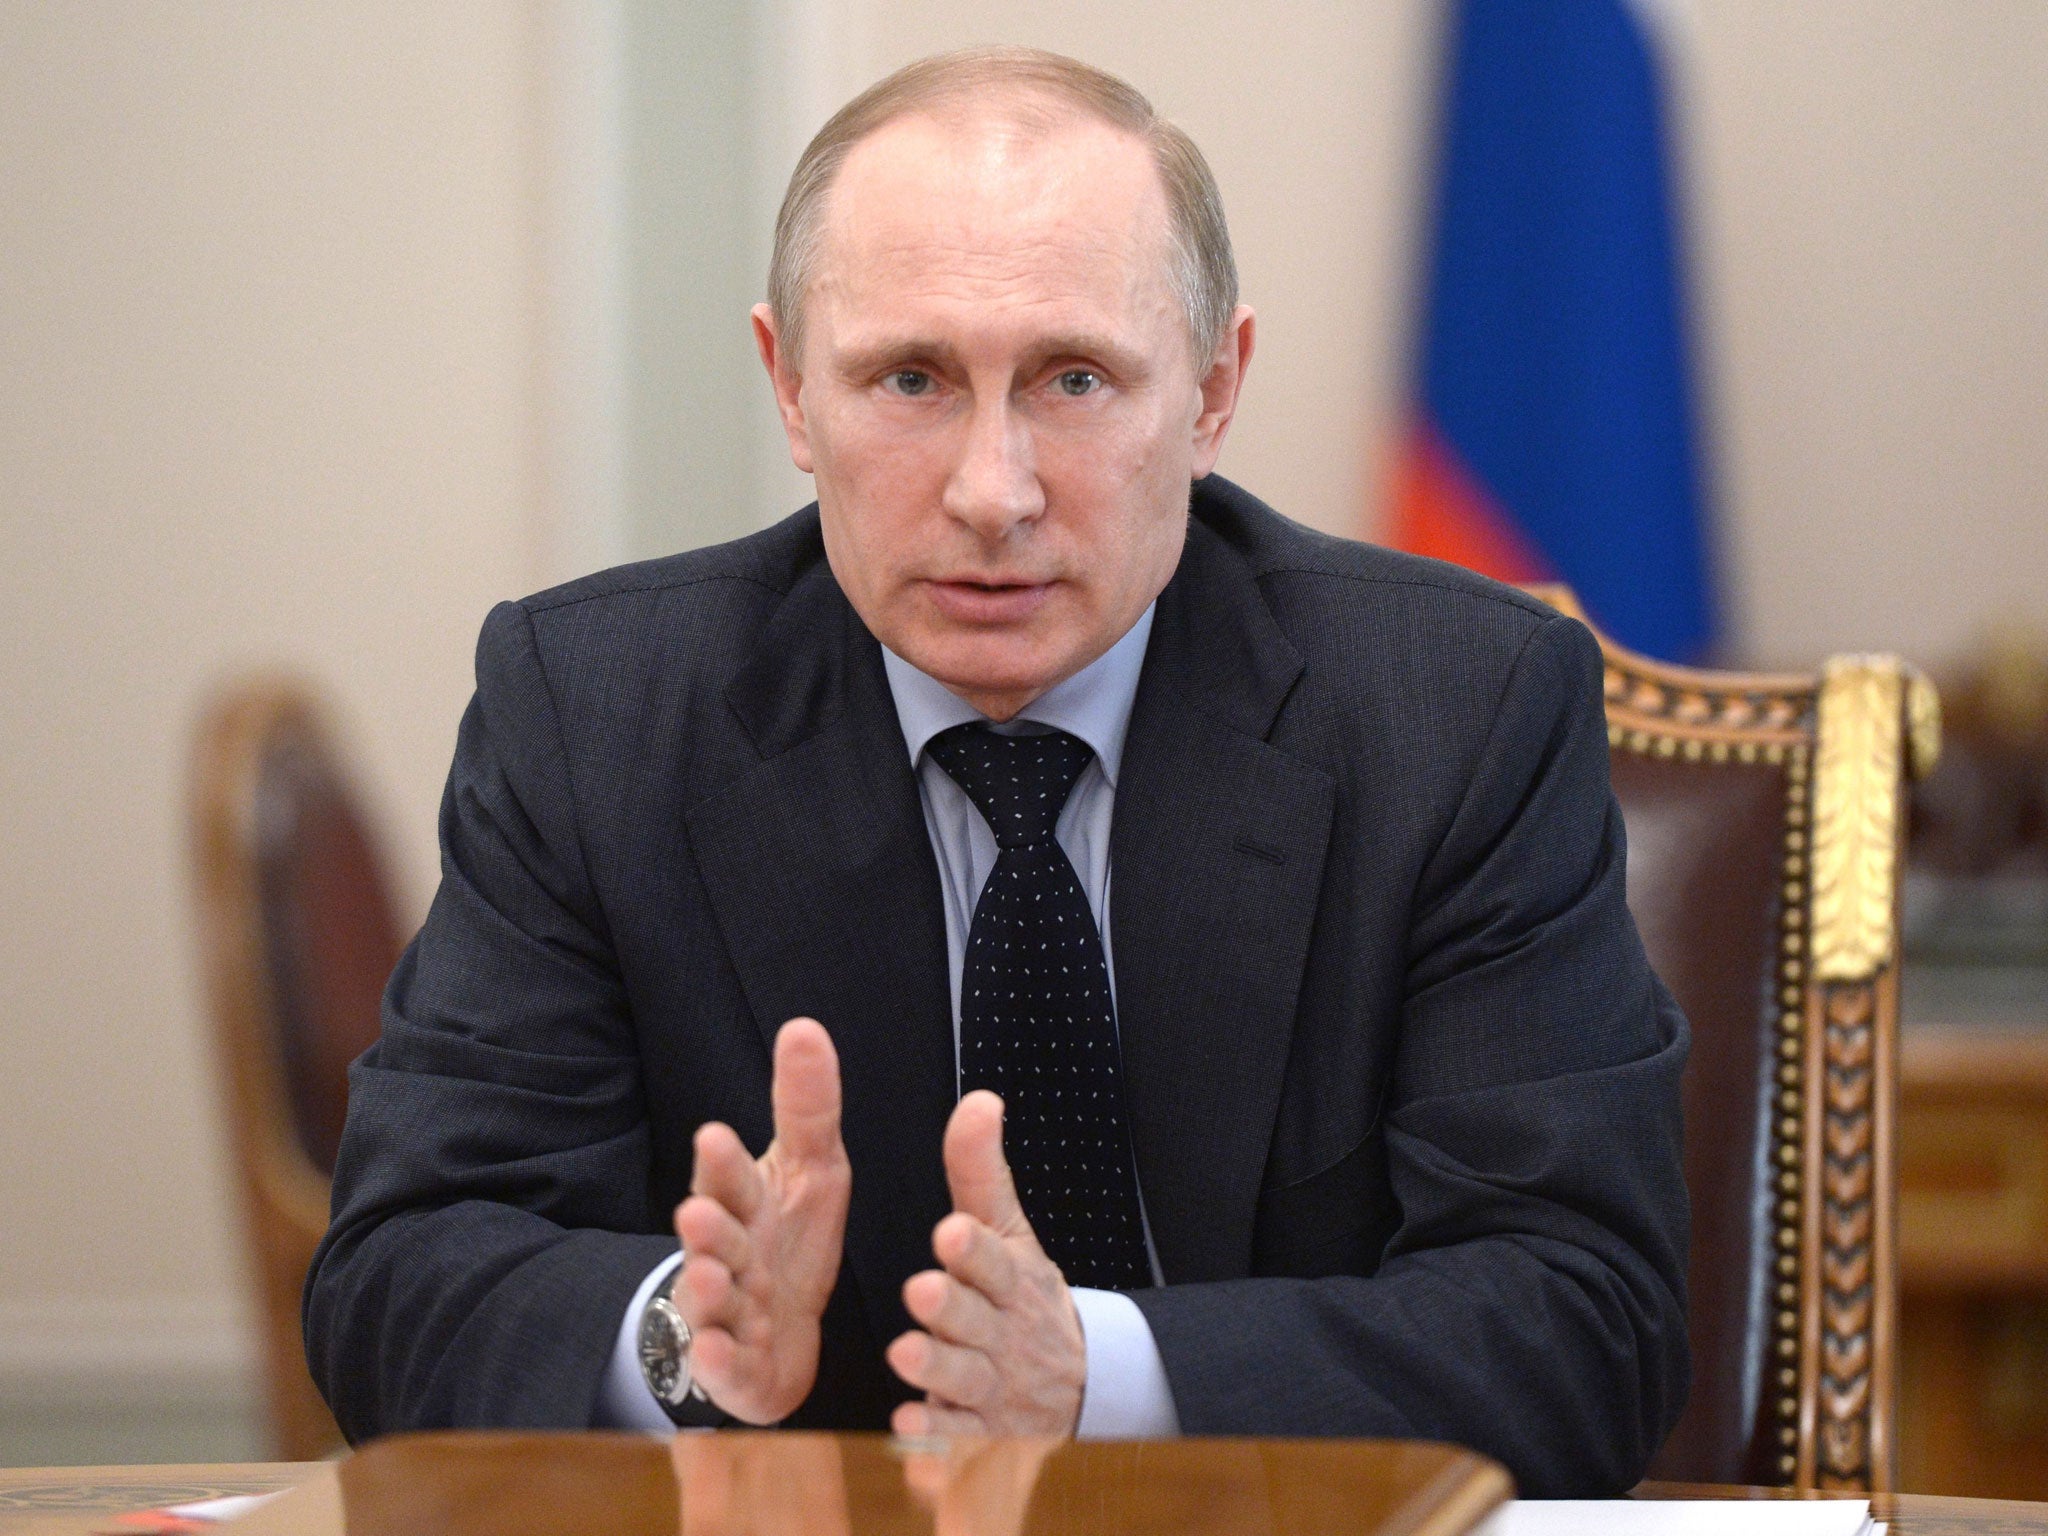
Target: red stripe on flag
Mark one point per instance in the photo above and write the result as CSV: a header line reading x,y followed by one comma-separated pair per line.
x,y
1441,511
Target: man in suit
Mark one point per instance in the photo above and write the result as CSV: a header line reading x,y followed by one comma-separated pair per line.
x,y
1272,881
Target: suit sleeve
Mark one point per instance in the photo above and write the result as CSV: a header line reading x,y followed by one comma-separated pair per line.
x,y
1531,1300
490,1218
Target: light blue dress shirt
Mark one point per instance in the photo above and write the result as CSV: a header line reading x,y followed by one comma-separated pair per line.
x,y
1127,1395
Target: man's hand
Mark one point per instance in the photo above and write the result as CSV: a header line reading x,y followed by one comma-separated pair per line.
x,y
763,1239
1001,1352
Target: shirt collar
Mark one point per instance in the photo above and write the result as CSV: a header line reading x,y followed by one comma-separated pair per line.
x,y
1094,704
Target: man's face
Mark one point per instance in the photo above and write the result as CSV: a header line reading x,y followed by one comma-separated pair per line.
x,y
997,397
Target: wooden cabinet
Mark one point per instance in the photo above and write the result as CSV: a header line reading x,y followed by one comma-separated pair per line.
x,y
1973,1262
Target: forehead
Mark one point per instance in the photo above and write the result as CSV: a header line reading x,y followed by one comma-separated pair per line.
x,y
987,214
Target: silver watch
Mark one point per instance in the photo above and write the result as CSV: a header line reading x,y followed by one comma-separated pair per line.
x,y
665,1349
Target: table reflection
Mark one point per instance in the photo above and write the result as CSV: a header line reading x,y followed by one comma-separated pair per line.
x,y
756,1485
739,1483
781,1485
977,1487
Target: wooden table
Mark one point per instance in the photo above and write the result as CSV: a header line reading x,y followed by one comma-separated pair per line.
x,y
782,1485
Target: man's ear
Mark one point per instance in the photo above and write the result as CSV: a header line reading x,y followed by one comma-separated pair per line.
x,y
1220,386
787,383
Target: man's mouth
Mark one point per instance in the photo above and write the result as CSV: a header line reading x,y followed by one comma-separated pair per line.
x,y
975,600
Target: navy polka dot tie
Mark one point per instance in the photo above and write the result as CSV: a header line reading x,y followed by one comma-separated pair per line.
x,y
1036,1021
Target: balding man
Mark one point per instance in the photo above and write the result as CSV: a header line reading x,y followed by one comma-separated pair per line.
x,y
1063,947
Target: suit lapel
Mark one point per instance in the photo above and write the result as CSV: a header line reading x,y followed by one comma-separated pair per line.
x,y
1216,855
820,869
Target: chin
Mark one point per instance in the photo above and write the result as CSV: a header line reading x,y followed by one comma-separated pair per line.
x,y
982,665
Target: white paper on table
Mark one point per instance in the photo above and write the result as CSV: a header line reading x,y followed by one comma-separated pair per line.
x,y
1681,1517
221,1509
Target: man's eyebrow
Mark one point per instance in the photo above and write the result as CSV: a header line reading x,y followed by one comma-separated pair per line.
x,y
1089,344
881,356
861,360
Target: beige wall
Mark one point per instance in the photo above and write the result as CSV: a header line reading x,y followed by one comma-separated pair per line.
x,y
267,395
298,363
1873,217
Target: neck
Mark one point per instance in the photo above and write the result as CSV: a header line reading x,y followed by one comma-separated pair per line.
x,y
999,707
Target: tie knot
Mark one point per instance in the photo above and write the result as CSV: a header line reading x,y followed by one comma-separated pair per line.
x,y
1019,783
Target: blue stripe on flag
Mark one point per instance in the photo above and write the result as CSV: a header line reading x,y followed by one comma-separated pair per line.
x,y
1554,350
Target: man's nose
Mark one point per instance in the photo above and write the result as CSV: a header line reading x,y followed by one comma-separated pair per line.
x,y
994,485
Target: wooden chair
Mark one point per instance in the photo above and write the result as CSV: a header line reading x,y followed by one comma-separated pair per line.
x,y
1765,819
298,937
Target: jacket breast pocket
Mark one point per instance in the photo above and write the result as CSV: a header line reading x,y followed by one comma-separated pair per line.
x,y
1335,1221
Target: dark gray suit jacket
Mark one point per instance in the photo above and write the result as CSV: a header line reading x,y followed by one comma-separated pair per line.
x,y
1403,1089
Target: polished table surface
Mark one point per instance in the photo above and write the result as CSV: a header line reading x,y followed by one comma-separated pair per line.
x,y
789,1484
777,1485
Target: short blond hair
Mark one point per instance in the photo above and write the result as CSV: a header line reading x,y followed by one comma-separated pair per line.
x,y
1203,272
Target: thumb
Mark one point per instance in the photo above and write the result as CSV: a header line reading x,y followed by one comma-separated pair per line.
x,y
806,1092
975,1170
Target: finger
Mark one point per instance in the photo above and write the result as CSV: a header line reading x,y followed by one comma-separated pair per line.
x,y
950,1310
709,1229
974,1256
725,1172
806,1093
924,1421
975,1170
950,1373
962,1376
705,1295
714,1358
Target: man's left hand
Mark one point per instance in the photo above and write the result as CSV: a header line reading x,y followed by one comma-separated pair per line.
x,y
1001,1351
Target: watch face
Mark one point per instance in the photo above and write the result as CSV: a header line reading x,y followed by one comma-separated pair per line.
x,y
664,1346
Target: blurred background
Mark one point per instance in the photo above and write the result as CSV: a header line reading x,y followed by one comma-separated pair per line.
x,y
325,326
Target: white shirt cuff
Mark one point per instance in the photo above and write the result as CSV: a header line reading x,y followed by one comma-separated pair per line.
x,y
1126,1396
624,1400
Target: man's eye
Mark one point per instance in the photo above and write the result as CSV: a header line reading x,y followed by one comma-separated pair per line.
x,y
1078,381
909,381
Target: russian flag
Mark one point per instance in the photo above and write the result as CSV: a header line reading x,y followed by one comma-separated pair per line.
x,y
1554,438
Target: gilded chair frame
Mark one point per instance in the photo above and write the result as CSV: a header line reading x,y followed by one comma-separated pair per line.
x,y
1847,742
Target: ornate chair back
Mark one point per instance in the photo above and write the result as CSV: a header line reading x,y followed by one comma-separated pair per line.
x,y
298,936
1765,818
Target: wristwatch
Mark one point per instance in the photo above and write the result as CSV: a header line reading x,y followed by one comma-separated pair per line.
x,y
665,1349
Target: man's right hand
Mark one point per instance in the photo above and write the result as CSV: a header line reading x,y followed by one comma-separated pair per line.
x,y
763,1239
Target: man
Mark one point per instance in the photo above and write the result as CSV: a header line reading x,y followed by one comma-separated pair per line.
x,y
1272,881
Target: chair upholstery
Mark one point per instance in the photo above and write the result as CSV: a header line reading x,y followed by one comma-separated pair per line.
x,y
298,935
1764,819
